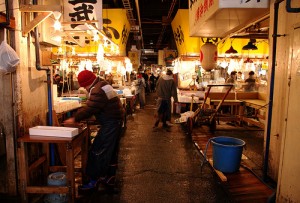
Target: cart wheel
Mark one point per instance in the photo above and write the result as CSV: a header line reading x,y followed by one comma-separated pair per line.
x,y
190,124
213,125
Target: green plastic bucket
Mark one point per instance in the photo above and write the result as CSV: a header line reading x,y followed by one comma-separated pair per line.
x,y
227,153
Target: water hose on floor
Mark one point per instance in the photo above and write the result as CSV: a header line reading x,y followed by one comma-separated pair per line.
x,y
204,155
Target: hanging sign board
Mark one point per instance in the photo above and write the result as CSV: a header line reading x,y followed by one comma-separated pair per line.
x,y
82,11
218,18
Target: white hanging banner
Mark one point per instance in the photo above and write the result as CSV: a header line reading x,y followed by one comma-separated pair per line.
x,y
86,11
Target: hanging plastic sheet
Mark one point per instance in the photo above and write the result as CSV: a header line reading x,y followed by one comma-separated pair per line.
x,y
8,57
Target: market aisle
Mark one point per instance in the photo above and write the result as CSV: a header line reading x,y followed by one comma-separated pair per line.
x,y
160,166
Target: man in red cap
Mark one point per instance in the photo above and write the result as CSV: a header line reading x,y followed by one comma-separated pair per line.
x,y
105,105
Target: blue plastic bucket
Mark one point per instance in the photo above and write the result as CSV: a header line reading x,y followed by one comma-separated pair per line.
x,y
56,179
227,153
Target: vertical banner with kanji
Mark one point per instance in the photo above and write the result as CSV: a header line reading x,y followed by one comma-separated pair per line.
x,y
186,45
116,27
85,11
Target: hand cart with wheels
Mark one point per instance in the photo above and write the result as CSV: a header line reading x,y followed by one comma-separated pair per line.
x,y
204,114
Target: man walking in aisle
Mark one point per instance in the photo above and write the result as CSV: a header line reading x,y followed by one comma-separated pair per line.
x,y
165,89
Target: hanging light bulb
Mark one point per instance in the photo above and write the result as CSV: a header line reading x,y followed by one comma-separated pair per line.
x,y
73,51
112,48
105,44
96,38
100,53
57,25
118,51
60,50
95,35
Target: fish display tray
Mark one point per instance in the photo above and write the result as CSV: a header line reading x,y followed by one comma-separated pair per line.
x,y
53,131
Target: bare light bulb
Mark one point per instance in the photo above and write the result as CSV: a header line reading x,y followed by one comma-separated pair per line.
x,y
57,25
96,38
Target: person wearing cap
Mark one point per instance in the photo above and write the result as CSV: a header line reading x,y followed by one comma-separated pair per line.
x,y
104,104
165,89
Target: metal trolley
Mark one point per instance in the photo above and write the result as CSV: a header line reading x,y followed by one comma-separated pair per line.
x,y
204,114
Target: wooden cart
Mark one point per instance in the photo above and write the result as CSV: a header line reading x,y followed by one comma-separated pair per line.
x,y
205,114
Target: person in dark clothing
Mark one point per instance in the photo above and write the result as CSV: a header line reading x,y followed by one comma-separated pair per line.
x,y
140,90
231,80
250,83
104,104
165,89
58,82
109,79
146,78
152,80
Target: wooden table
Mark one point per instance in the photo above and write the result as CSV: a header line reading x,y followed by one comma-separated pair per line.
x,y
72,145
235,105
257,104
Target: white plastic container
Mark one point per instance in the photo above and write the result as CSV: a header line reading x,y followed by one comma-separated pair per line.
x,y
53,131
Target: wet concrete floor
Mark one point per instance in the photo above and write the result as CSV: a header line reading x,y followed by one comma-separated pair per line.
x,y
160,166
166,166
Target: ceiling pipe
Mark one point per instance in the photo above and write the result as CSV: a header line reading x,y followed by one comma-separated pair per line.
x,y
165,26
48,72
140,25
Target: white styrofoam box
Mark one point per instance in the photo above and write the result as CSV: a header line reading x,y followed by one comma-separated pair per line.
x,y
199,94
186,99
65,105
53,131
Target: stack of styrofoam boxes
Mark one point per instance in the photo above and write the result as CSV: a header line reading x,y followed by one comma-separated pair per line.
x,y
65,104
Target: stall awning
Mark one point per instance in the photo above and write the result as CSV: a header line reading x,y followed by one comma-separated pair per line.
x,y
219,18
